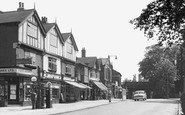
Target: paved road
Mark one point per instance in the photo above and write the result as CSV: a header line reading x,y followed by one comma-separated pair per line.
x,y
149,107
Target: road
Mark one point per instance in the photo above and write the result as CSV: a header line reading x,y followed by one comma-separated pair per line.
x,y
130,107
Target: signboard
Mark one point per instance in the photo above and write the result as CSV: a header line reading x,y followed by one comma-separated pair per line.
x,y
52,76
24,61
16,70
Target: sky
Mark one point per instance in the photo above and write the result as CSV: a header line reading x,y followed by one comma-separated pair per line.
x,y
100,26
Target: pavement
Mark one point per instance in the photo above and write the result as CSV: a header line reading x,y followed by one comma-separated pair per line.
x,y
179,109
58,108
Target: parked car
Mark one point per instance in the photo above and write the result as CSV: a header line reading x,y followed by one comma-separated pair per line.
x,y
139,95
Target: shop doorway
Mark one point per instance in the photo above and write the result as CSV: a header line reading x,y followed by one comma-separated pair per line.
x,y
13,91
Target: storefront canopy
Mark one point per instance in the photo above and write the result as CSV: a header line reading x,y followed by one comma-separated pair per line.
x,y
76,84
85,86
100,85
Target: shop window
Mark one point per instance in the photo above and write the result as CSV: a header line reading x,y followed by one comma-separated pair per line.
x,y
55,93
1,90
27,92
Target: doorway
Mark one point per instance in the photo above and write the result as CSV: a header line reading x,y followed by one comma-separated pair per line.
x,y
13,91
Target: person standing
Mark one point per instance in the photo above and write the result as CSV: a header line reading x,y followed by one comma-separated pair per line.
x,y
33,99
109,95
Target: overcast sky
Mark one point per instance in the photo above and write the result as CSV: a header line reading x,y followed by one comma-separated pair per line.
x,y
101,26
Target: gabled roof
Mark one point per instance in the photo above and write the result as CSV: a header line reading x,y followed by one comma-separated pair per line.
x,y
116,72
104,60
90,61
15,16
66,36
20,16
48,26
78,61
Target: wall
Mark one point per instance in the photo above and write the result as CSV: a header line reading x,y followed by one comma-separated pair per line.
x,y
8,35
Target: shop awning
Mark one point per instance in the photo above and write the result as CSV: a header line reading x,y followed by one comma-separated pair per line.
x,y
76,84
85,86
100,85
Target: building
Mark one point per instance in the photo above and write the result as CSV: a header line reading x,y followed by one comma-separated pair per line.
x,y
116,81
22,45
70,87
53,54
106,72
99,90
82,72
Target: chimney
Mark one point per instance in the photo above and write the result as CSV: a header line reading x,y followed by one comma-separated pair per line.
x,y
21,6
83,52
44,20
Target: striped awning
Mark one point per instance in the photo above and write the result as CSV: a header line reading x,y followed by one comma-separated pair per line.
x,y
100,85
76,84
85,86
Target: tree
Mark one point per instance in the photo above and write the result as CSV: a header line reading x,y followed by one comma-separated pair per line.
x,y
159,68
165,74
164,19
134,78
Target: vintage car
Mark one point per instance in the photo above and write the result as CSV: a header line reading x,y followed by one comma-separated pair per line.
x,y
139,95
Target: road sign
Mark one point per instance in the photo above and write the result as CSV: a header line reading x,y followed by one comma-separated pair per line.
x,y
24,61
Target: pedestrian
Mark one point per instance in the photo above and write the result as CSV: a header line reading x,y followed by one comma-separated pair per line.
x,y
121,94
33,99
109,95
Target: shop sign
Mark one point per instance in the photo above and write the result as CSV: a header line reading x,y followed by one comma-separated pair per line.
x,y
7,70
68,79
52,76
15,70
24,71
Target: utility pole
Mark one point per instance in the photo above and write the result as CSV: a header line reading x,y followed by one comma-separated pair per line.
x,y
38,105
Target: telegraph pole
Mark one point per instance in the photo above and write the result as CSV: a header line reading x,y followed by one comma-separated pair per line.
x,y
38,106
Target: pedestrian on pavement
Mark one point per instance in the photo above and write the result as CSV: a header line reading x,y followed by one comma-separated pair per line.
x,y
109,95
33,99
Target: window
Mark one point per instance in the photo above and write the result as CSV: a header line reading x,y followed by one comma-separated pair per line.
x,y
68,69
53,40
28,54
55,93
32,35
52,64
32,30
69,48
27,89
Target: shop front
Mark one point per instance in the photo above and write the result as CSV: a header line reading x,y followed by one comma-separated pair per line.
x,y
71,90
53,83
15,86
99,90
